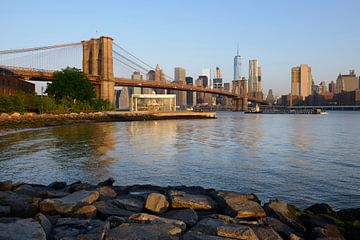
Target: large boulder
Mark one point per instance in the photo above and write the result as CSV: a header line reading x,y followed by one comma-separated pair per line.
x,y
193,235
240,205
286,213
21,205
180,199
266,233
216,227
109,208
284,230
149,231
45,223
6,186
187,215
156,203
69,203
107,182
106,193
130,202
57,185
20,229
146,218
74,228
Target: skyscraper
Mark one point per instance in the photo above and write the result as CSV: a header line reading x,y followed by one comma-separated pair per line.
x,y
207,72
254,78
217,81
347,83
180,74
301,81
237,66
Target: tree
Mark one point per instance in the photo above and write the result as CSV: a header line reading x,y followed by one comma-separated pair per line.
x,y
71,83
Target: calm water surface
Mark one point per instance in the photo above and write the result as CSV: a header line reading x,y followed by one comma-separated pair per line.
x,y
303,159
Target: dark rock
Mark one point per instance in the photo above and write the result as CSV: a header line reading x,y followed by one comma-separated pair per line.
x,y
146,218
109,208
78,186
69,203
240,205
321,220
88,211
130,202
149,231
106,193
39,191
107,182
57,185
327,232
181,199
216,227
191,190
286,213
6,186
350,214
144,190
28,229
156,203
192,235
266,233
73,228
187,215
29,190
284,230
45,223
21,205
115,221
4,211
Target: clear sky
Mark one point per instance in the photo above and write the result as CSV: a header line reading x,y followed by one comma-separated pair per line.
x,y
198,34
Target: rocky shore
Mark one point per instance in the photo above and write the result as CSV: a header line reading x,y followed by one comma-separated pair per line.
x,y
105,211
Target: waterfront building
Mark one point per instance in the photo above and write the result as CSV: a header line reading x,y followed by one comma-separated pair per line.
x,y
255,84
190,96
301,81
323,88
332,87
135,90
12,84
180,74
270,97
237,66
152,102
347,83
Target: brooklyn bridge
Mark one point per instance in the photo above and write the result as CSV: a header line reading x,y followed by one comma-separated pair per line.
x,y
106,65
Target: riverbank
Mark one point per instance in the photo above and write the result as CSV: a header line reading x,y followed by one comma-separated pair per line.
x,y
16,121
106,211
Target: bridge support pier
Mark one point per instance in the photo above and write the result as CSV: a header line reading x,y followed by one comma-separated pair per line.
x,y
98,61
240,104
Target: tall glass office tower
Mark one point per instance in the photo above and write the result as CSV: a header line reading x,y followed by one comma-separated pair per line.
x,y
237,66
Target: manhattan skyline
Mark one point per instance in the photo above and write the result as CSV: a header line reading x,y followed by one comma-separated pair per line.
x,y
203,34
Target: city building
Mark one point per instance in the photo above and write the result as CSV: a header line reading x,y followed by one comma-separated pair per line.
x,y
237,66
332,87
255,84
347,83
207,72
153,102
323,88
11,84
270,97
190,96
159,76
135,90
217,81
301,81
180,74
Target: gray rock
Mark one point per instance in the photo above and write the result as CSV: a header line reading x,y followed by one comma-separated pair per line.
x,y
181,199
266,233
240,205
109,208
4,211
286,213
88,211
130,202
329,232
115,221
215,227
156,203
21,205
57,185
188,215
78,186
6,186
146,218
107,182
45,223
74,228
284,230
22,229
69,203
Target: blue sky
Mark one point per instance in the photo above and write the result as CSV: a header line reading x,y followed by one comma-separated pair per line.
x,y
198,34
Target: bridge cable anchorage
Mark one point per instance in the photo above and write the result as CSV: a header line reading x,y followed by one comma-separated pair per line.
x,y
23,50
143,62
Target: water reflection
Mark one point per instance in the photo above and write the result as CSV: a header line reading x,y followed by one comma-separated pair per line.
x,y
302,159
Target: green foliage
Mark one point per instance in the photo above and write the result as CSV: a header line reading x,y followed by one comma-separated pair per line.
x,y
71,83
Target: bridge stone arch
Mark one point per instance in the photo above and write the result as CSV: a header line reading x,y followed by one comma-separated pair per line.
x,y
98,61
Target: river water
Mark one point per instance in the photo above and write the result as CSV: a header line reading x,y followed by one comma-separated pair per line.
x,y
303,159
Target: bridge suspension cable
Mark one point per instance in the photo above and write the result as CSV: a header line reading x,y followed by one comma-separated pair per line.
x,y
23,50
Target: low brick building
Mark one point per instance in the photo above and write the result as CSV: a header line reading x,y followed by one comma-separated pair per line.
x,y
11,84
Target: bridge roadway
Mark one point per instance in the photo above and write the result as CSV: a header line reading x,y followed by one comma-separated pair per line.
x,y
45,75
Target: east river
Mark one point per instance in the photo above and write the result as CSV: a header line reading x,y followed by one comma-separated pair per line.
x,y
303,159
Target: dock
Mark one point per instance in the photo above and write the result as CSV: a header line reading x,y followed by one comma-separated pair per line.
x,y
150,115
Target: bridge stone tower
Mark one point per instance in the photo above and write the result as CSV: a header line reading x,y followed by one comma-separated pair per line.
x,y
98,61
240,88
